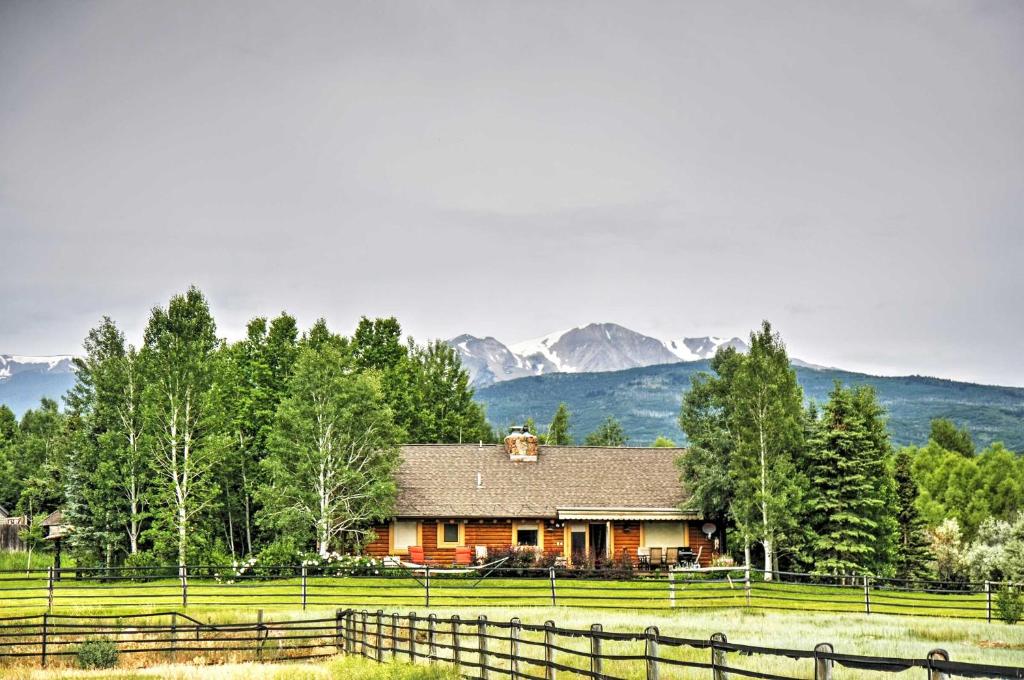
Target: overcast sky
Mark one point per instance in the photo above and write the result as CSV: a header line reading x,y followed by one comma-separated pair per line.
x,y
852,171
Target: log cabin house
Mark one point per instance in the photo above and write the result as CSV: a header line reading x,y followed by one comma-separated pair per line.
x,y
458,502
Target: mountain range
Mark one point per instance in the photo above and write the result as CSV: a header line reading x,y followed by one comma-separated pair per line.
x,y
605,369
596,347
24,380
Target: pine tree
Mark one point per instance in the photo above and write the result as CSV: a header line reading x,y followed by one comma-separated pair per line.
x,y
911,558
608,433
842,500
559,431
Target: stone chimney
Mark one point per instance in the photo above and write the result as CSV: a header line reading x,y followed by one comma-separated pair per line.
x,y
520,444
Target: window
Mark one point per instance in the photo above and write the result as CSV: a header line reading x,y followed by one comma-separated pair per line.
x,y
526,537
665,535
404,533
451,534
527,534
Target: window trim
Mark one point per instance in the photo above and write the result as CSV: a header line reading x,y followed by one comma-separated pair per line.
x,y
537,525
441,543
391,537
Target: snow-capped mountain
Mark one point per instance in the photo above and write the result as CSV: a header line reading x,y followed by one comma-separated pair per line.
x,y
25,380
13,364
592,348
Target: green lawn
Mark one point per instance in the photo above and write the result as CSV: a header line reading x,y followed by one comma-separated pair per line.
x,y
24,595
784,615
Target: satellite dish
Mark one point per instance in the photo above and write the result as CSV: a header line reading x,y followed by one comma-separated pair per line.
x,y
708,528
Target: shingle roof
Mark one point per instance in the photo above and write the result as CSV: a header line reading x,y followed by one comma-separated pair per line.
x,y
441,480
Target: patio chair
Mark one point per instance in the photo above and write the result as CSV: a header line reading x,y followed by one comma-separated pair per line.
x,y
464,555
656,557
416,554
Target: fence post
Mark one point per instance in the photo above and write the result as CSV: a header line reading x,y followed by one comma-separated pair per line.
x,y
718,659
867,594
174,636
481,632
363,621
259,635
380,636
339,637
303,587
456,652
746,583
350,631
596,667
426,583
183,574
549,650
513,647
671,588
551,574
412,637
432,637
49,589
823,667
394,636
46,620
937,655
988,601
651,652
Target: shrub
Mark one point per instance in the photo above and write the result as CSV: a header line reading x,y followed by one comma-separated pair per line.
x,y
276,558
139,567
97,653
1010,604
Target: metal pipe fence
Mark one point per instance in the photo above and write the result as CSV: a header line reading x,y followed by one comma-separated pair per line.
x,y
476,648
307,586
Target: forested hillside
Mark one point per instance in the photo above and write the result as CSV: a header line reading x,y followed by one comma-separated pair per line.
x,y
646,401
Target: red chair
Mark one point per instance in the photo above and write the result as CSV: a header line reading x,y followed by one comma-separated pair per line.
x,y
416,554
464,555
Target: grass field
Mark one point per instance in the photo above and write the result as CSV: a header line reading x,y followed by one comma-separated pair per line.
x,y
29,594
784,615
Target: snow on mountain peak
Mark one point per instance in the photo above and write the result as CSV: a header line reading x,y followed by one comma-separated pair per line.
x,y
11,364
591,348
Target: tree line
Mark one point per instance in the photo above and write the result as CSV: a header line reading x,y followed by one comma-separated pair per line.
x,y
820,488
192,449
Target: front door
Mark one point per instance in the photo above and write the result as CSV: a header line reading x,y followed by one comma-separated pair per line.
x,y
598,541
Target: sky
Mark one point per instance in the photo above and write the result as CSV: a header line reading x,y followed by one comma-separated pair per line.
x,y
852,171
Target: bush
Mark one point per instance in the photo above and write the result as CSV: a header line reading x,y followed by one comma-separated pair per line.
x,y
279,558
140,567
97,653
1010,604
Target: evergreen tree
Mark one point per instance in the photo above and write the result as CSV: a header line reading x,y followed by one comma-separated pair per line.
x,y
704,417
608,433
842,502
911,559
559,431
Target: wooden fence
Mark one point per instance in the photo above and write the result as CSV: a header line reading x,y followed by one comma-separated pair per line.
x,y
475,648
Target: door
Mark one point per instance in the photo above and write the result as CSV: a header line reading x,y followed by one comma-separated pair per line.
x,y
577,545
599,541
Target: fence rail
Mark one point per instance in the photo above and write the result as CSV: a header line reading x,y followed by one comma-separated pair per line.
x,y
305,586
476,648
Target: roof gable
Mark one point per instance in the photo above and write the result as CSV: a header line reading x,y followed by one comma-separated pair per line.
x,y
471,481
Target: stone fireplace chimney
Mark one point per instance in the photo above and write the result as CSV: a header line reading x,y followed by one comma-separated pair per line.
x,y
520,444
